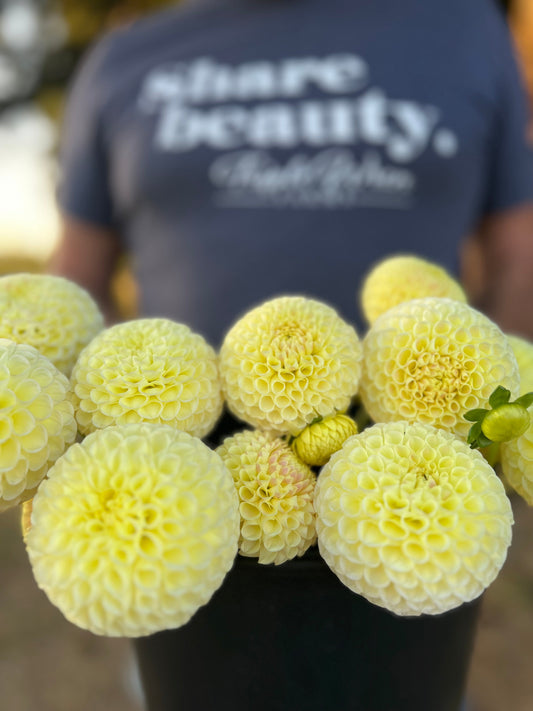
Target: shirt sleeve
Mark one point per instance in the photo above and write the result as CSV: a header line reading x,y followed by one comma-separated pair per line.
x,y
84,186
511,165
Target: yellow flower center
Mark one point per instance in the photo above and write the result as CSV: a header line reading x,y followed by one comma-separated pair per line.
x,y
419,478
118,514
289,343
436,378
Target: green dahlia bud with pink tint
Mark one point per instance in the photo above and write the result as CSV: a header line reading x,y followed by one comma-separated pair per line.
x,y
275,493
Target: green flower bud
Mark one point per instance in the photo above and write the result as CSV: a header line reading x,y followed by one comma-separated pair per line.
x,y
505,422
319,440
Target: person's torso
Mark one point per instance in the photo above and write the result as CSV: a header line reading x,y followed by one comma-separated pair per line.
x,y
268,147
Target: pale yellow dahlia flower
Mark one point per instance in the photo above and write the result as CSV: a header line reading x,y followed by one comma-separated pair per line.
x,y
516,459
276,496
402,278
36,420
523,351
53,314
134,529
412,519
288,361
319,440
431,360
148,370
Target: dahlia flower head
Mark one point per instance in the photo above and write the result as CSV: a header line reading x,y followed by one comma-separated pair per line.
x,y
147,370
523,351
412,519
431,360
51,313
133,530
318,441
516,461
287,362
36,420
275,496
402,278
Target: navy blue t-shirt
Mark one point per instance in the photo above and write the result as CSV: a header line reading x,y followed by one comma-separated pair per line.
x,y
244,149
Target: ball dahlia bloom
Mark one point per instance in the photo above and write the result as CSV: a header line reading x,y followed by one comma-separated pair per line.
x,y
276,496
53,314
404,277
287,362
523,351
36,420
412,519
516,460
319,440
147,370
431,360
133,530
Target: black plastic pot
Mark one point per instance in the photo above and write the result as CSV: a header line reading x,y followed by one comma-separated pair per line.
x,y
294,638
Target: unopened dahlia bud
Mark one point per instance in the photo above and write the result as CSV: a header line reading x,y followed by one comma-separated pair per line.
x,y
53,314
287,362
431,361
276,496
503,421
402,278
133,530
319,440
36,420
148,370
412,519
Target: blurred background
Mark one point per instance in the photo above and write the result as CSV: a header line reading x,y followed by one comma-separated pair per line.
x,y
46,663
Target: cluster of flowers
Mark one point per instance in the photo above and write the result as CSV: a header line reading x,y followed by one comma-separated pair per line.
x,y
131,521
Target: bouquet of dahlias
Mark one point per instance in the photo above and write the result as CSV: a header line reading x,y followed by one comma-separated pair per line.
x,y
387,451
